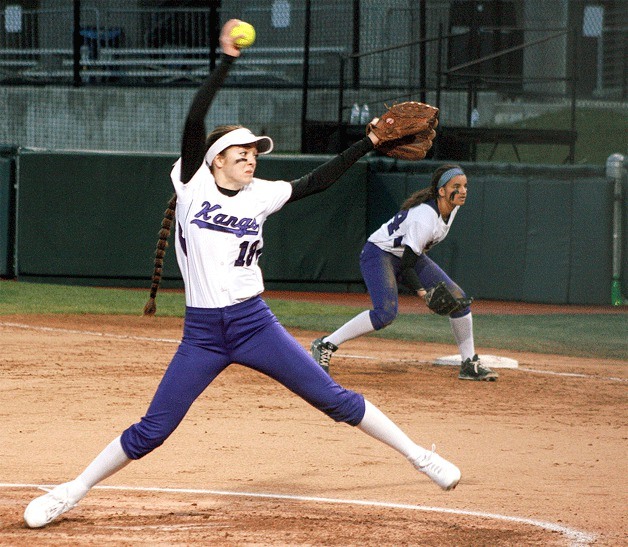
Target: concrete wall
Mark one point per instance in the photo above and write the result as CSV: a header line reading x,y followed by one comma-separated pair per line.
x,y
138,119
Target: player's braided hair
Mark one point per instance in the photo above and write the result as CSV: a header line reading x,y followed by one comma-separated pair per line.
x,y
151,307
431,192
166,224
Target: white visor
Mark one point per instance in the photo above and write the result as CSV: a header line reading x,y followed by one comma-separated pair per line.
x,y
237,137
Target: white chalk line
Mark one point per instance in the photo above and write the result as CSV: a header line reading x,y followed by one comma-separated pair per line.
x,y
89,333
575,537
342,355
574,375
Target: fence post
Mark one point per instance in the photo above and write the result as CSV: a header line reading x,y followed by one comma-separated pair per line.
x,y
306,71
439,64
341,88
214,34
616,171
422,52
574,92
356,43
76,45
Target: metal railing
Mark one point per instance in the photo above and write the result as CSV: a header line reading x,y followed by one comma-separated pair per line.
x,y
136,46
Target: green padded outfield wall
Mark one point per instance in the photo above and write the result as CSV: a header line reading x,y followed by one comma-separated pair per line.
x,y
527,233
94,218
90,216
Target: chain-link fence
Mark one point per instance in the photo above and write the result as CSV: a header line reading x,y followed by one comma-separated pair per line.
x,y
113,74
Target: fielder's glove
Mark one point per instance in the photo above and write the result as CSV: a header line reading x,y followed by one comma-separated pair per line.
x,y
440,300
406,130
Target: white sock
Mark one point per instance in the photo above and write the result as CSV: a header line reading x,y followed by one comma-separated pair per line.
x,y
376,424
462,328
359,325
108,462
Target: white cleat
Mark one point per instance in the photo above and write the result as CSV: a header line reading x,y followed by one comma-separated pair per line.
x,y
437,468
44,509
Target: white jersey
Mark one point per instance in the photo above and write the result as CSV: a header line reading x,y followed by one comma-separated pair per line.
x,y
218,238
419,228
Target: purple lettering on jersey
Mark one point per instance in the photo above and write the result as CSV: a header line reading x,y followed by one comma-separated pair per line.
x,y
224,223
394,224
207,208
245,227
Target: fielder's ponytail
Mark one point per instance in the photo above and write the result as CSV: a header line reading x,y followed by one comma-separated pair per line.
x,y
151,307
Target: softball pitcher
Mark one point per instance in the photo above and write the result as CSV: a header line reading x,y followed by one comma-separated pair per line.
x,y
397,252
220,211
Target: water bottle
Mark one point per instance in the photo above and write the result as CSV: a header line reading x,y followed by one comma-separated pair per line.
x,y
85,54
475,117
354,118
365,114
85,58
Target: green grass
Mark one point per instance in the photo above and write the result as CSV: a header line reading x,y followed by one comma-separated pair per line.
x,y
587,335
27,298
601,132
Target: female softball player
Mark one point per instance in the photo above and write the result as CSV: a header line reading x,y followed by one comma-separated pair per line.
x,y
396,252
220,210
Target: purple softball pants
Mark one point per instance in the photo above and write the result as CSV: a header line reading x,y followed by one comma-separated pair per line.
x,y
247,333
381,270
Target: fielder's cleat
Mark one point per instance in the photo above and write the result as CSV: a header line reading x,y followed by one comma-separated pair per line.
x,y
473,369
322,351
44,509
442,472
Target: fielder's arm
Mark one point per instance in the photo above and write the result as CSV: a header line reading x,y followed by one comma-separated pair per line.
x,y
408,274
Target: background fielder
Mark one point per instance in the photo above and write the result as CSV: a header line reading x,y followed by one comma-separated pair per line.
x,y
396,252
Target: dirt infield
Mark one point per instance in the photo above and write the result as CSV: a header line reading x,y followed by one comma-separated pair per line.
x,y
542,451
